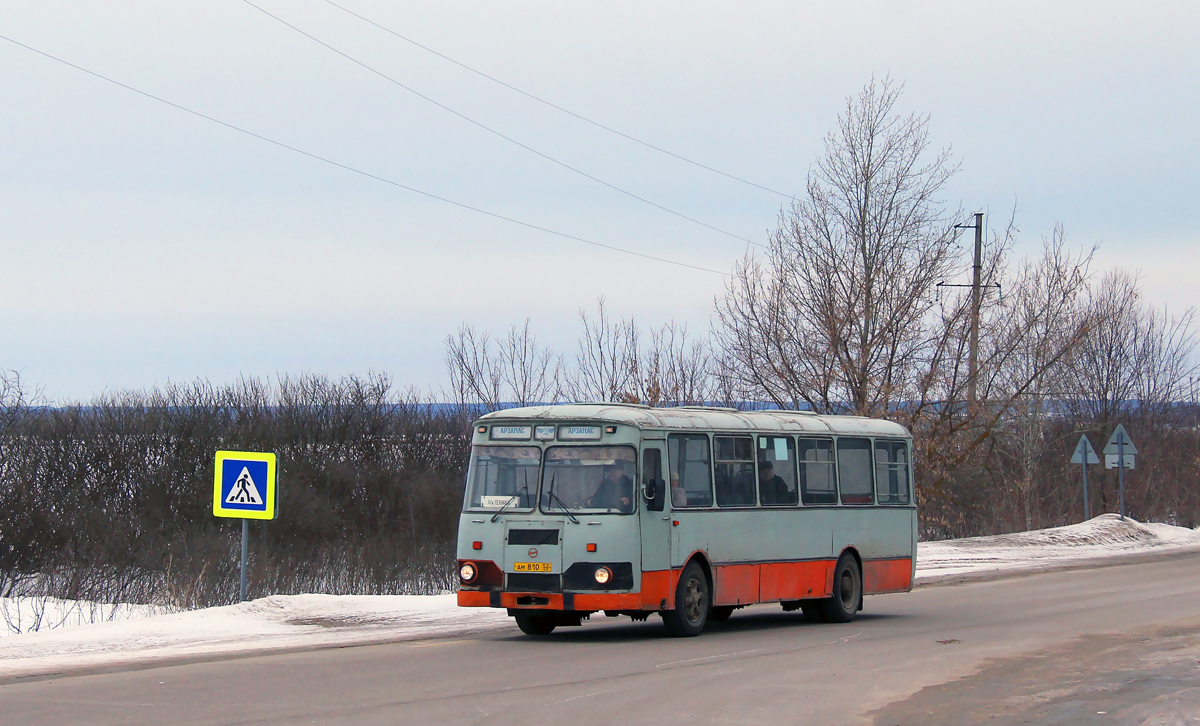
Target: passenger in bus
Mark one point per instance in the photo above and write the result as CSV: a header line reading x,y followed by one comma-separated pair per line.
x,y
678,493
772,489
615,491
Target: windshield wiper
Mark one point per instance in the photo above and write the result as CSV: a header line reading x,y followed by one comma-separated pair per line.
x,y
500,511
554,498
524,487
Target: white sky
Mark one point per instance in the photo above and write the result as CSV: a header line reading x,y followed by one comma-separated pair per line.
x,y
139,244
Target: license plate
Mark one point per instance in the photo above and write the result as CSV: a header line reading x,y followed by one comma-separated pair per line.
x,y
531,567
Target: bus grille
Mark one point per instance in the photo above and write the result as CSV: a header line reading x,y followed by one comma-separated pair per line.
x,y
533,536
533,582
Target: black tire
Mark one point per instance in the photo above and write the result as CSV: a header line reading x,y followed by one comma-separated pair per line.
x,y
720,613
534,624
847,592
692,603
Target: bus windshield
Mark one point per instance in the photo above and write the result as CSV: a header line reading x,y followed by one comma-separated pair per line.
x,y
503,477
589,479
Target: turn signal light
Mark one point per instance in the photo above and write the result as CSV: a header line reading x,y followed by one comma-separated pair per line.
x,y
476,545
603,575
467,572
610,429
481,430
591,547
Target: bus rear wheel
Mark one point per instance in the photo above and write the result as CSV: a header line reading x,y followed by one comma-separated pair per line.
x,y
534,624
691,604
842,606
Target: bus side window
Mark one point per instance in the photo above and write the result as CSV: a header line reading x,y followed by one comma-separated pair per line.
x,y
854,471
818,483
891,471
776,470
735,471
691,468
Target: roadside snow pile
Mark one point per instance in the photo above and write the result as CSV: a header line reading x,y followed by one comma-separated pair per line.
x,y
1101,537
271,623
30,613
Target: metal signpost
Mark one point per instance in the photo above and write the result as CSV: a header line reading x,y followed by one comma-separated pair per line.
x,y
1084,455
1119,454
244,488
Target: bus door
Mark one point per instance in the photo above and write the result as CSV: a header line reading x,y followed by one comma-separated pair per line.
x,y
655,519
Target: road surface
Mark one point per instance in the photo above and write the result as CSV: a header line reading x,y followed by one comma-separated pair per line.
x,y
1112,645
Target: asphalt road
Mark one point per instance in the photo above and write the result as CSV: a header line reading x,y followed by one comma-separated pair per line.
x,y
1117,644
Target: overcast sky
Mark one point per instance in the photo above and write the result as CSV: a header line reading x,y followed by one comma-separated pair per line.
x,y
140,244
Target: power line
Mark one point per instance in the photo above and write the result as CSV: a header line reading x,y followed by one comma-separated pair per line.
x,y
490,130
360,172
555,106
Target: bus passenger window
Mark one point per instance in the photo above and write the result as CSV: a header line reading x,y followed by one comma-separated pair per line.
x,y
891,471
736,471
776,470
854,471
691,467
818,484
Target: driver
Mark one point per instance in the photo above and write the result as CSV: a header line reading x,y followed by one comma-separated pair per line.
x,y
615,491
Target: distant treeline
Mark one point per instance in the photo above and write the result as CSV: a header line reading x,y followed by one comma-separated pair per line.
x,y
112,500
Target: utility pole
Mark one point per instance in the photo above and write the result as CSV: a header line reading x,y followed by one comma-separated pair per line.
x,y
976,295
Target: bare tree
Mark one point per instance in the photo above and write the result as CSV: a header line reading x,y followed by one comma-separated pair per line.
x,y
836,315
530,372
475,368
606,362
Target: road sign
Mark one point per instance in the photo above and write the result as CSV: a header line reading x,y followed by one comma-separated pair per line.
x,y
1118,454
1084,453
1112,461
244,485
1114,442
1119,447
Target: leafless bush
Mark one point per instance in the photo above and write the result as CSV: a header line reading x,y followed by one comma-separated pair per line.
x,y
114,497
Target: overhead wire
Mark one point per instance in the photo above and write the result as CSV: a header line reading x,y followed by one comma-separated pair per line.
x,y
493,131
555,106
347,167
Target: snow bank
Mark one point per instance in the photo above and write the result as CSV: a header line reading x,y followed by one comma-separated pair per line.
x,y
1103,537
27,614
307,621
271,623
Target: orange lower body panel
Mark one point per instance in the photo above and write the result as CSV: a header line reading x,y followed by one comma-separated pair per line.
x,y
795,580
734,585
887,576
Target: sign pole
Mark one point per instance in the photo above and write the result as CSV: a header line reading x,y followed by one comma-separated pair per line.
x,y
244,488
1121,469
245,540
1087,514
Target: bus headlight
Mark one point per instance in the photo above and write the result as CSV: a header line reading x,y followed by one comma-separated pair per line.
x,y
603,575
467,572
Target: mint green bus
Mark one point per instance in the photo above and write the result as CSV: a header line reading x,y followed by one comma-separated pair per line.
x,y
689,512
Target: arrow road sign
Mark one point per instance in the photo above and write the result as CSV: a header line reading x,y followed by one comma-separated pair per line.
x,y
1084,453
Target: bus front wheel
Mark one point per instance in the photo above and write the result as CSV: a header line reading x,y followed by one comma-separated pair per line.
x,y
842,606
692,603
534,624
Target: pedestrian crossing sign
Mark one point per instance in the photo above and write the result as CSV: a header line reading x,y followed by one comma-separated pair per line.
x,y
244,486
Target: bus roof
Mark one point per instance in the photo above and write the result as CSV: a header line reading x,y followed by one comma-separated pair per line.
x,y
702,417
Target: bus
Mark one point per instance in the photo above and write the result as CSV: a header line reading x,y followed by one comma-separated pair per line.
x,y
689,512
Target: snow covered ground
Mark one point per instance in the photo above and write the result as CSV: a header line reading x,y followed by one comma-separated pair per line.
x,y
1097,539
133,635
